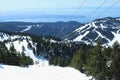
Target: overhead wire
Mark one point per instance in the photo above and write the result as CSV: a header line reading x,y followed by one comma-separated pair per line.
x,y
96,9
79,7
103,12
76,11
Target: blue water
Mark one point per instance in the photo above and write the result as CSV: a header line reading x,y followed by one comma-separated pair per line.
x,y
80,16
45,18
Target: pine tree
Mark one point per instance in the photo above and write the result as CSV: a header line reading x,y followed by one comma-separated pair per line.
x,y
29,45
79,59
115,58
12,49
96,63
23,48
3,53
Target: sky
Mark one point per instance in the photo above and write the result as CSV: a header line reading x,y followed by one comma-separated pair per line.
x,y
56,7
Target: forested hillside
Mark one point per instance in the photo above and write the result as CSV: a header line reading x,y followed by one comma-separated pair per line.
x,y
103,63
100,62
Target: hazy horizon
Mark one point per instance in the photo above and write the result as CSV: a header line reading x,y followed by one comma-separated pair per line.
x,y
38,10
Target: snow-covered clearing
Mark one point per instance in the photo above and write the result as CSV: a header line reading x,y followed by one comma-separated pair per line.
x,y
27,29
79,38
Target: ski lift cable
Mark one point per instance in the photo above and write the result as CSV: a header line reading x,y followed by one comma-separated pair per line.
x,y
102,13
96,9
62,31
79,7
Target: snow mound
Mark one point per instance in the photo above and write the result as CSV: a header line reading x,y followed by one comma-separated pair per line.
x,y
40,73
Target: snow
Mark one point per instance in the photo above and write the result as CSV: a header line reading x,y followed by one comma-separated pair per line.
x,y
93,25
118,19
118,31
28,28
116,38
41,70
18,42
40,73
108,63
3,37
100,21
79,38
81,28
100,35
86,29
52,41
102,26
18,46
40,26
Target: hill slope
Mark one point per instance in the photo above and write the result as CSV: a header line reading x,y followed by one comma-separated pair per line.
x,y
106,30
22,43
41,68
59,29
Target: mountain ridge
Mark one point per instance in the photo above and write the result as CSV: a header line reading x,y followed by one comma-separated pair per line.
x,y
58,29
105,30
